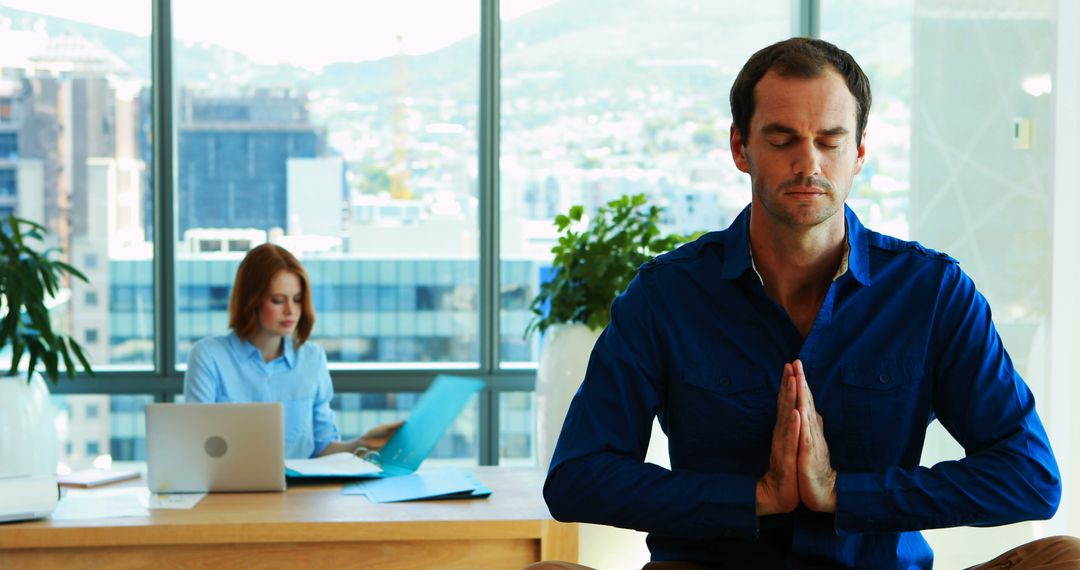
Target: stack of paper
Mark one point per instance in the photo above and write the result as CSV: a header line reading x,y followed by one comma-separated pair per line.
x,y
95,477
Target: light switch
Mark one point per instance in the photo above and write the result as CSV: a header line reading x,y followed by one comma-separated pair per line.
x,y
1021,133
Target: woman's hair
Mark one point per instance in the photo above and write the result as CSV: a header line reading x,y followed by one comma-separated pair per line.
x,y
252,285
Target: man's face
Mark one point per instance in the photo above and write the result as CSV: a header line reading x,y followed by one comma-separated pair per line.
x,y
801,153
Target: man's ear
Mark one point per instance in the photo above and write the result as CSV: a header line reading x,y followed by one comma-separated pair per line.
x,y
860,158
738,149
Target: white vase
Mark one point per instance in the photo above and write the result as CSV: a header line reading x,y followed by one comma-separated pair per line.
x,y
563,358
28,443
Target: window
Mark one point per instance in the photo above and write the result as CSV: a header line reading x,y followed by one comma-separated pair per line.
x,y
123,427
9,146
293,163
615,105
8,186
367,165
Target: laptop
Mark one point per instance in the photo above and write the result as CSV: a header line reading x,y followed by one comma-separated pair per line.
x,y
199,448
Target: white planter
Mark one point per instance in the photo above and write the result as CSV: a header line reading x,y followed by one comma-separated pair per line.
x,y
28,443
563,358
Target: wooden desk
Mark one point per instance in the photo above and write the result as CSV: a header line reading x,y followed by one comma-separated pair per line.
x,y
310,526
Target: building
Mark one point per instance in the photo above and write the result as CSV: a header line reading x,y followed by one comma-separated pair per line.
x,y
234,154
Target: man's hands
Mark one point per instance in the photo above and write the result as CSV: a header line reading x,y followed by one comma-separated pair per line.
x,y
799,467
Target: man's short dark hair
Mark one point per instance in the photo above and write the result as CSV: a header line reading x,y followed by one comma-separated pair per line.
x,y
798,57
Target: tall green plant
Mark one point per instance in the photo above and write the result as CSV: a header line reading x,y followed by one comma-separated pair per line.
x,y
595,265
27,276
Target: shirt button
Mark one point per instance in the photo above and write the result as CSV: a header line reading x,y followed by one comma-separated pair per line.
x,y
883,378
725,381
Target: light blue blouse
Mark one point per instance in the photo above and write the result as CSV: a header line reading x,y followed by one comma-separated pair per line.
x,y
227,369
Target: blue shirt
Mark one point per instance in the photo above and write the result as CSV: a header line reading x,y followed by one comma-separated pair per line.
x,y
227,369
901,338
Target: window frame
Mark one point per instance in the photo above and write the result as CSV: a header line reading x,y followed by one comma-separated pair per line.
x,y
165,382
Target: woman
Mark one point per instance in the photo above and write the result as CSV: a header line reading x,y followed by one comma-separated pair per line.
x,y
265,358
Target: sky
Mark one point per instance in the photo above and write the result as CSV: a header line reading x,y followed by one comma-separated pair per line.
x,y
310,33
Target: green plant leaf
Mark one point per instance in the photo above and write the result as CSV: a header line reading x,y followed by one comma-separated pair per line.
x,y
30,276
593,266
81,355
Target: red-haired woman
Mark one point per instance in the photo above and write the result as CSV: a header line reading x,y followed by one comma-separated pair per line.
x,y
265,357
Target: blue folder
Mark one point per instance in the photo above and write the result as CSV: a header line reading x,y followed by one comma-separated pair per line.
x,y
448,483
438,407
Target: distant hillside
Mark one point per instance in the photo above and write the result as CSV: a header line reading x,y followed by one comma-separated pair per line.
x,y
594,43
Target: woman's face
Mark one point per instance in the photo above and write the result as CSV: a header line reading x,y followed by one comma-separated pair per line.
x,y
282,308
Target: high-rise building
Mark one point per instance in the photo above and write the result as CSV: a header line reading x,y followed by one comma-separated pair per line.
x,y
233,157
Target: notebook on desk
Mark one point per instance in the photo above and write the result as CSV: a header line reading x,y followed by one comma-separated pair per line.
x,y
408,447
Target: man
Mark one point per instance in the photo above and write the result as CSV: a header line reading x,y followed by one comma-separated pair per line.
x,y
794,361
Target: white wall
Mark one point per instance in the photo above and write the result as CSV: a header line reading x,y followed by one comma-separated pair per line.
x,y
1064,423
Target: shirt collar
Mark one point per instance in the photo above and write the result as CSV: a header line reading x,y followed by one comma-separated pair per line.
x,y
249,351
737,258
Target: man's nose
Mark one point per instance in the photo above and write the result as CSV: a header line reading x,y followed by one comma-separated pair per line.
x,y
807,161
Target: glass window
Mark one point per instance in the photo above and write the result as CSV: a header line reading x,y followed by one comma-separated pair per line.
x,y
112,425
354,146
616,104
74,129
8,182
517,425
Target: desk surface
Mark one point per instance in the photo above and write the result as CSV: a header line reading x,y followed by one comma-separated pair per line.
x,y
318,513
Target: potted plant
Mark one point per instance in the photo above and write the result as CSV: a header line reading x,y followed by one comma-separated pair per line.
x,y
592,266
30,280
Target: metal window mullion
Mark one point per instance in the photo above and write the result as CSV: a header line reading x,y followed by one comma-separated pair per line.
x,y
164,187
489,222
806,18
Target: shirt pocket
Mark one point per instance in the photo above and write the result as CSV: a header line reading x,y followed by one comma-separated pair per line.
x,y
725,408
879,405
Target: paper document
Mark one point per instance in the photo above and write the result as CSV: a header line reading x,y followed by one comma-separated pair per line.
x,y
98,507
333,465
147,499
95,477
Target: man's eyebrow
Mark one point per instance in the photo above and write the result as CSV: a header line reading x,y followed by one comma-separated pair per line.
x,y
778,128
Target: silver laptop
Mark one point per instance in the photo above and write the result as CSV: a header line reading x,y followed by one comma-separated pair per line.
x,y
198,448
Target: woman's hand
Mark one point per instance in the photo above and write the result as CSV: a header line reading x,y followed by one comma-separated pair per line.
x,y
376,438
